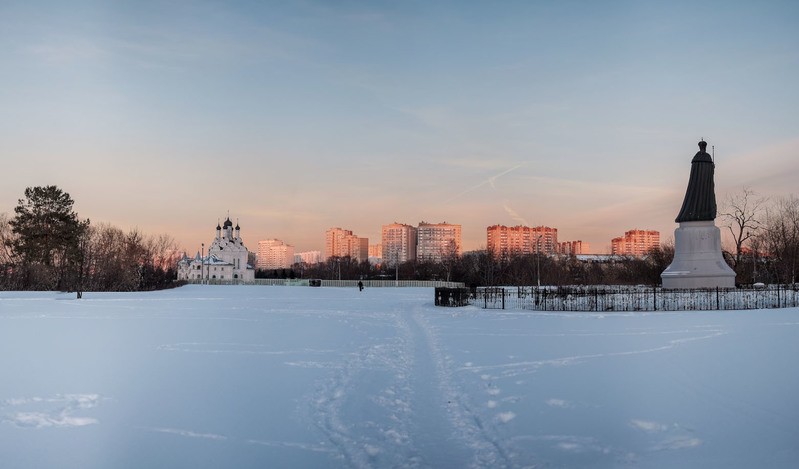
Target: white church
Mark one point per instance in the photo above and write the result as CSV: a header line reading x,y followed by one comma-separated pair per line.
x,y
226,259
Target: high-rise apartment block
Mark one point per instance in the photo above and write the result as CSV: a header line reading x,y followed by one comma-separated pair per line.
x,y
308,257
343,243
505,240
569,248
399,243
635,243
437,242
274,254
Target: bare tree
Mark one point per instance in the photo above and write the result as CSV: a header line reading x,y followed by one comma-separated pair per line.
x,y
6,254
781,239
164,251
741,213
6,240
449,259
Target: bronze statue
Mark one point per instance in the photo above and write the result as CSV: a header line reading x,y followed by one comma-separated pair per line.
x,y
700,197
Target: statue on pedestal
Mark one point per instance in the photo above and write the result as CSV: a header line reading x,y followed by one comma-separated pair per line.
x,y
700,197
698,262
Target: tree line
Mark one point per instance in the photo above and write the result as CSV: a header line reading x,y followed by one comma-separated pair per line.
x,y
761,245
46,246
765,237
483,267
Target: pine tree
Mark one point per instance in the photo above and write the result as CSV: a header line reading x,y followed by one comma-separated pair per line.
x,y
48,236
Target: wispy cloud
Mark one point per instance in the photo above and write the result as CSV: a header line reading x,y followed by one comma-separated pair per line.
x,y
772,168
44,419
648,426
289,444
359,13
476,162
57,411
515,216
583,186
436,117
491,181
561,403
67,50
188,433
236,39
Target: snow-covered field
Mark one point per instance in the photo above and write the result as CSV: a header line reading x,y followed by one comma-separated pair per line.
x,y
295,377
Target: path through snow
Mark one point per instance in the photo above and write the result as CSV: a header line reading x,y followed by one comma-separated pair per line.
x,y
208,377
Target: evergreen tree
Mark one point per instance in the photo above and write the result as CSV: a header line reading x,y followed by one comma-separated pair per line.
x,y
48,237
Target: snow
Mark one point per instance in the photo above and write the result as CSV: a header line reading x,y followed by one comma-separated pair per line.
x,y
252,376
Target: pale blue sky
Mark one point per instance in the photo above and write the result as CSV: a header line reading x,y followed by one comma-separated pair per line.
x,y
299,116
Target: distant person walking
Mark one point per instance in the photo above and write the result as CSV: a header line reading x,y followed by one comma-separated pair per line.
x,y
360,285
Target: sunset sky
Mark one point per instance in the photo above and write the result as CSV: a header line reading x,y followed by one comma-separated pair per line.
x,y
300,116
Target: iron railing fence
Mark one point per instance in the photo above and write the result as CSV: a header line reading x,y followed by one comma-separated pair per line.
x,y
330,283
625,298
448,296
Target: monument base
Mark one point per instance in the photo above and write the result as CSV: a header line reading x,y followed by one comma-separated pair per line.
x,y
698,262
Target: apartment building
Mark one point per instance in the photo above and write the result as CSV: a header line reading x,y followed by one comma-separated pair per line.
x,y
573,248
437,241
399,243
375,251
308,257
274,254
514,240
635,243
343,243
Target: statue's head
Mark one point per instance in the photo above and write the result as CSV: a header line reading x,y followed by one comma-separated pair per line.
x,y
703,146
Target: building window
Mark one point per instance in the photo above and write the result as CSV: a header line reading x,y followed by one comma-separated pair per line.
x,y
235,275
221,276
214,276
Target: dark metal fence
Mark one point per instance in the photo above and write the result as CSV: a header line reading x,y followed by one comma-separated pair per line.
x,y
329,283
623,298
458,296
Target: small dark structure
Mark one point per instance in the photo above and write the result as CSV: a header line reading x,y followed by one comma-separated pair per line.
x,y
445,296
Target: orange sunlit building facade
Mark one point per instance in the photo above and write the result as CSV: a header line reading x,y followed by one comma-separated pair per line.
x,y
635,243
513,240
573,248
274,254
398,243
343,243
437,242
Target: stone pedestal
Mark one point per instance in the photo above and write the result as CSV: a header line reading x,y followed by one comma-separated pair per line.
x,y
698,262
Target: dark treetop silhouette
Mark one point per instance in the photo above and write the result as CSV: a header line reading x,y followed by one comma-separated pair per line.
x,y
700,197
